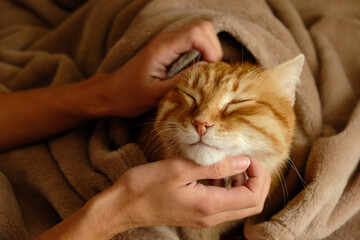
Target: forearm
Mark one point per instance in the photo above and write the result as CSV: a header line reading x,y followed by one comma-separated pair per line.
x,y
98,219
32,115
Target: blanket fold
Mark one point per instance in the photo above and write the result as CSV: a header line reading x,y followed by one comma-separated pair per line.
x,y
47,43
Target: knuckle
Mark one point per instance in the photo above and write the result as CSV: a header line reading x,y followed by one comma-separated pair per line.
x,y
176,170
206,208
195,31
205,24
128,182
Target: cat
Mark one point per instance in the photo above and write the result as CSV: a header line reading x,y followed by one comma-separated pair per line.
x,y
219,110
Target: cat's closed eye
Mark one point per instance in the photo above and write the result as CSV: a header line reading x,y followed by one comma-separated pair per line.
x,y
232,105
188,98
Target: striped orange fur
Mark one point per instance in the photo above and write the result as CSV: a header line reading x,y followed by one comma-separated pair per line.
x,y
219,110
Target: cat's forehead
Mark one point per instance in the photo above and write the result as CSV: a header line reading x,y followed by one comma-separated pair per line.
x,y
215,81
207,78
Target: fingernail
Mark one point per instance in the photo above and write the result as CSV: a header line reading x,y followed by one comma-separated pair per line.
x,y
240,163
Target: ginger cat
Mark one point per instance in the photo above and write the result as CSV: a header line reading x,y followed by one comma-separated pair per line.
x,y
219,110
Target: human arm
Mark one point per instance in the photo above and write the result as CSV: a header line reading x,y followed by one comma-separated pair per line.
x,y
167,193
133,89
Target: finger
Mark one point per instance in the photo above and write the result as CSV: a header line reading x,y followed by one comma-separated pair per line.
x,y
247,196
240,212
200,36
230,216
211,38
257,174
238,179
227,167
235,198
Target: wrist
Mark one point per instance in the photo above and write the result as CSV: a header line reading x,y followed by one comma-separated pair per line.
x,y
93,97
85,223
108,212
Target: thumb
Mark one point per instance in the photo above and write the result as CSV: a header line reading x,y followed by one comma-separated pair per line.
x,y
227,167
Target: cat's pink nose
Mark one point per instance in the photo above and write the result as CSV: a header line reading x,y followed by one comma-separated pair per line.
x,y
201,127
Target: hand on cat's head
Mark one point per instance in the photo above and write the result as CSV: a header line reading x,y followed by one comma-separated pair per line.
x,y
140,84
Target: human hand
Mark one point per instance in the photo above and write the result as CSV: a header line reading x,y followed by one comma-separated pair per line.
x,y
167,193
140,84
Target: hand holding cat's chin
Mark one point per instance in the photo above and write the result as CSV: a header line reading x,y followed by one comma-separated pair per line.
x,y
168,193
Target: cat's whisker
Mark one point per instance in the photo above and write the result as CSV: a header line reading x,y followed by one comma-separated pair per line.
x,y
158,133
150,123
156,144
259,69
141,124
158,147
151,135
167,121
165,129
152,139
303,182
174,142
174,145
252,73
283,187
154,134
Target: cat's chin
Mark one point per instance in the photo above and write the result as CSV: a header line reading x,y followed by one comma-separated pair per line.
x,y
203,155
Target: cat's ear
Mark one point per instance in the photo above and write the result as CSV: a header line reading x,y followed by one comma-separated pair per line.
x,y
288,74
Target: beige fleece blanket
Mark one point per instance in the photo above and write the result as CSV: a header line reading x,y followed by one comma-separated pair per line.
x,y
45,43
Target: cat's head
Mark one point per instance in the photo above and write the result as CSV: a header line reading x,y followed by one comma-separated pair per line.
x,y
219,110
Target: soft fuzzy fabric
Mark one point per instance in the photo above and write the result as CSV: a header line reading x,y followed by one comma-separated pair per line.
x,y
45,43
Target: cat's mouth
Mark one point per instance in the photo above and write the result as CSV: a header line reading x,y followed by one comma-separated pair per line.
x,y
200,143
